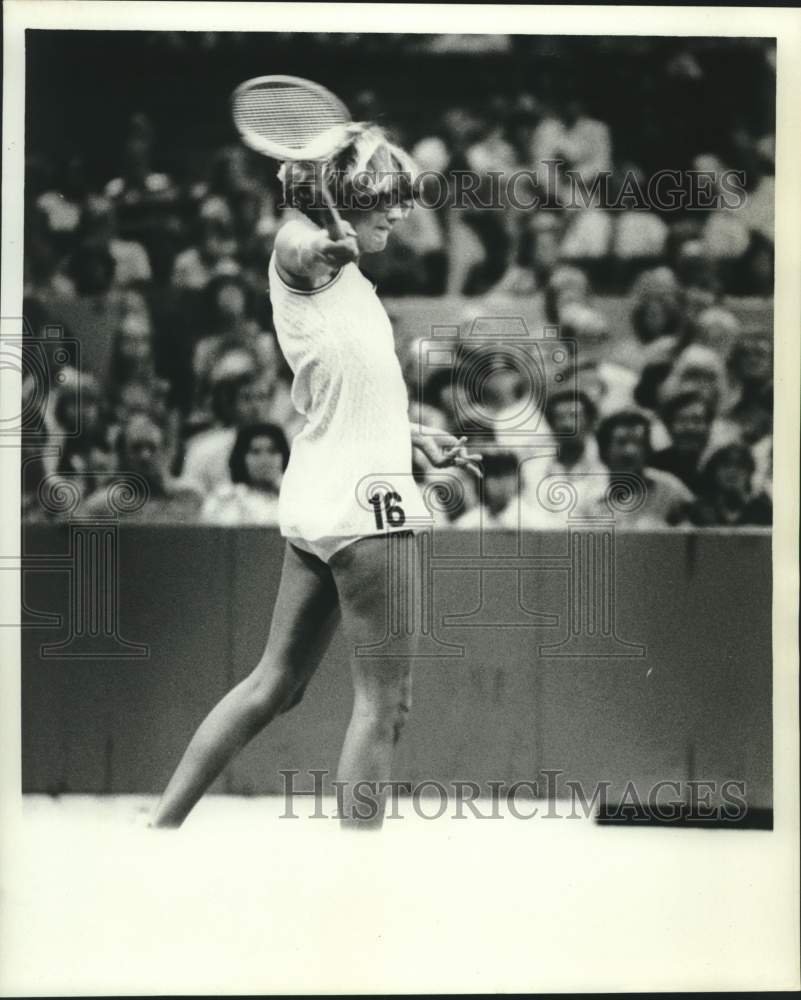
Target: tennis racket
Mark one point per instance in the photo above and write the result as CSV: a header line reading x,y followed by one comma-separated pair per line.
x,y
289,118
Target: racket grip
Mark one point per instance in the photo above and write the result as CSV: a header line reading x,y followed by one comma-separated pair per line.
x,y
334,227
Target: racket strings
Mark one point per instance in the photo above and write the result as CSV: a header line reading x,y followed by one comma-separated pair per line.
x,y
289,115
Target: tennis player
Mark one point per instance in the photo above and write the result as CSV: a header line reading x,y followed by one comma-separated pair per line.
x,y
338,341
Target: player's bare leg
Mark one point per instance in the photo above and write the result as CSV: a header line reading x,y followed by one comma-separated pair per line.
x,y
382,685
304,619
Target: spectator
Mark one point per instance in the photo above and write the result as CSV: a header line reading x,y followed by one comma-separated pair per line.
x,y
99,309
717,328
214,254
566,286
586,143
688,420
239,399
750,367
640,237
140,451
725,495
138,182
146,201
42,274
657,314
625,448
131,354
610,385
232,328
448,493
98,229
696,369
256,466
499,492
77,410
571,417
672,370
88,461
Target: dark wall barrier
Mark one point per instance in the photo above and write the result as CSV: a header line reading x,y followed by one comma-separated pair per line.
x,y
670,681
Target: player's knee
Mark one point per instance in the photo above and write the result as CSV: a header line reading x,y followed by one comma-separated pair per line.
x,y
273,690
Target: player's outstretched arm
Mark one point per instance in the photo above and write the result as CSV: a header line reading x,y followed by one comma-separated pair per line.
x,y
310,253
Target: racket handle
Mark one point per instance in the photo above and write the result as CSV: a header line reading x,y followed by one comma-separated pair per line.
x,y
334,227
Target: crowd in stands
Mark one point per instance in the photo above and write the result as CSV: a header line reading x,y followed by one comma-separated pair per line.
x,y
163,283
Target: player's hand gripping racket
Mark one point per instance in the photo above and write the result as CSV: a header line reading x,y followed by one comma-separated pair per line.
x,y
289,118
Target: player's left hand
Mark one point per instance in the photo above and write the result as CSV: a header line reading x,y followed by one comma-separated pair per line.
x,y
444,450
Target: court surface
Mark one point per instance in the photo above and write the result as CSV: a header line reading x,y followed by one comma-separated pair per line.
x,y
241,900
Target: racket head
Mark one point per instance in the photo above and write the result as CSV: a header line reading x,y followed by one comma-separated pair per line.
x,y
288,117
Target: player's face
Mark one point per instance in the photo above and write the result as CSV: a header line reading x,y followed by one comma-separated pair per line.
x,y
374,226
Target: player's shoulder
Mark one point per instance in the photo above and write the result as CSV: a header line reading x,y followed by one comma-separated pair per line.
x,y
294,229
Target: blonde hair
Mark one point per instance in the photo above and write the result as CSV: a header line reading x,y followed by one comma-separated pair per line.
x,y
364,168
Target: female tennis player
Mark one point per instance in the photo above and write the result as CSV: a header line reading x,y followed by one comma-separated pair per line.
x,y
338,341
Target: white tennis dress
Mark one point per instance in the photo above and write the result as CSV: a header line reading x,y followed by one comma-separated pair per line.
x,y
350,468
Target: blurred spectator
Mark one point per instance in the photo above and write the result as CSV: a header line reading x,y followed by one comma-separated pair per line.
x,y
231,328
657,314
138,181
98,310
625,447
609,385
146,200
448,493
750,367
98,230
640,236
571,417
717,328
588,234
696,369
725,495
230,173
43,277
688,420
214,254
256,465
566,285
671,370
77,406
241,398
131,355
586,143
88,461
499,492
140,450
